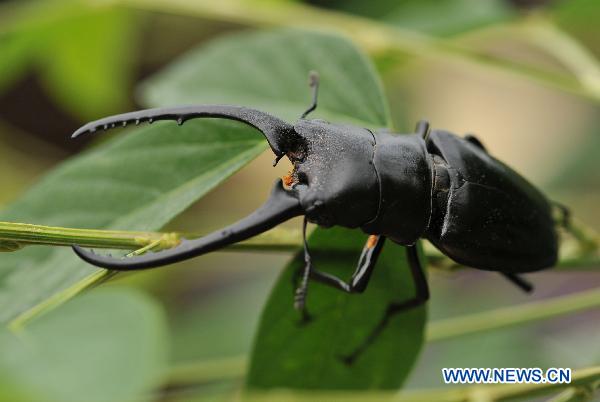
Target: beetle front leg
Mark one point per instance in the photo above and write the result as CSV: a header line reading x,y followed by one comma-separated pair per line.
x,y
421,296
360,278
362,274
302,289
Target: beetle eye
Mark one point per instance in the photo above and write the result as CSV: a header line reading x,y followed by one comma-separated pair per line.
x,y
298,152
301,178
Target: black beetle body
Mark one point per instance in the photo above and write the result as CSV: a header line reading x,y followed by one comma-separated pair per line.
x,y
474,208
434,185
485,215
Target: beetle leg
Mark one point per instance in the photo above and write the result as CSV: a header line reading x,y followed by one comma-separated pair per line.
x,y
362,274
313,82
526,286
360,278
302,289
366,263
421,296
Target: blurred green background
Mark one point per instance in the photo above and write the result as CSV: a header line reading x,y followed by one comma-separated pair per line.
x,y
528,87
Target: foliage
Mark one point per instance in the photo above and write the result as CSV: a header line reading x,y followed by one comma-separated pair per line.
x,y
111,343
107,345
81,53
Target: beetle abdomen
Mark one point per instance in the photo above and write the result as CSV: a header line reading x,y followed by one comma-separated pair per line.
x,y
488,216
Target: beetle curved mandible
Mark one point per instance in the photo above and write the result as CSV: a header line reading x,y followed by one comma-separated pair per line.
x,y
430,184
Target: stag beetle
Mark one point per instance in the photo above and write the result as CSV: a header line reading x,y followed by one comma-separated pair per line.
x,y
430,184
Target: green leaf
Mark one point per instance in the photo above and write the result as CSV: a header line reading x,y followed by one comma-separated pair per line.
x,y
108,345
579,18
290,354
138,181
14,50
200,333
87,60
84,54
142,180
269,71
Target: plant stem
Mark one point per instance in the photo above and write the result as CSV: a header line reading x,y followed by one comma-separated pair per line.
x,y
543,33
373,36
280,239
580,250
511,316
14,236
573,394
22,234
17,324
207,371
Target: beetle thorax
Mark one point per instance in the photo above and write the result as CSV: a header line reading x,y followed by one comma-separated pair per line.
x,y
405,177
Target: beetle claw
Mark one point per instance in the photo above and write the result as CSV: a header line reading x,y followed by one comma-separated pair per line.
x,y
282,205
278,133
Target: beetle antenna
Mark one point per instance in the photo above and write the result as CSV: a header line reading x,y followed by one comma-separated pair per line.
x,y
313,82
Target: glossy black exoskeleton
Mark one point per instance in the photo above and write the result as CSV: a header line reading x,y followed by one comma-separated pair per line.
x,y
429,184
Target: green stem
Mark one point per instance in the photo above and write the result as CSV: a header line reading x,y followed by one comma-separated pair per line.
x,y
574,394
580,250
22,234
14,236
280,239
511,316
540,31
207,371
373,36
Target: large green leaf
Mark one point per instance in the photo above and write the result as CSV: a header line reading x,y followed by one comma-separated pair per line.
x,y
109,345
269,71
290,354
142,180
138,181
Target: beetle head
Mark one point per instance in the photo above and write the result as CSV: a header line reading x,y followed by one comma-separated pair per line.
x,y
334,181
333,174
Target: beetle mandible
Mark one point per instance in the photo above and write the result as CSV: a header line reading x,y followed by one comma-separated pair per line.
x,y
430,184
